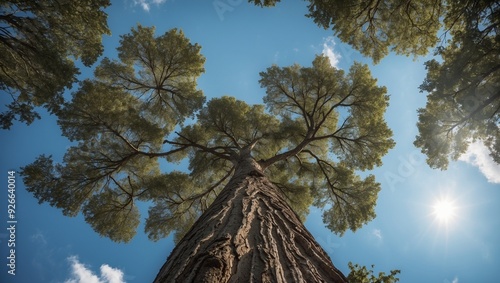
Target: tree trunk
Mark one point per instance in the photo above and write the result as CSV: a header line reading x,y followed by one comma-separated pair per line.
x,y
249,234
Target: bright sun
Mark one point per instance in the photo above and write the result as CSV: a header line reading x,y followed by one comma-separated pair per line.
x,y
444,210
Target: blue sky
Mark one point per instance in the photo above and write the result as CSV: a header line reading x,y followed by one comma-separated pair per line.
x,y
239,41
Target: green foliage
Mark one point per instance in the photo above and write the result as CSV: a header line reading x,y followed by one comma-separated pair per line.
x,y
310,102
315,97
226,125
171,210
295,183
321,125
38,42
350,200
98,110
463,88
113,214
179,199
377,27
120,136
38,176
266,3
89,169
462,85
360,274
160,71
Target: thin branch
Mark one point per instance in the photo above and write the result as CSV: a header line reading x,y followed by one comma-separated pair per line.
x,y
226,154
211,188
282,156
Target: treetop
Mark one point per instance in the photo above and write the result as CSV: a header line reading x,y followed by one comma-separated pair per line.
x,y
318,126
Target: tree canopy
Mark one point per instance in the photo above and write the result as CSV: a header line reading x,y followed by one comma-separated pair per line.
x,y
317,128
463,87
462,83
39,41
377,27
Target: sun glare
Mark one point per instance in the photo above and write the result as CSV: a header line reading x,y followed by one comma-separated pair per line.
x,y
444,210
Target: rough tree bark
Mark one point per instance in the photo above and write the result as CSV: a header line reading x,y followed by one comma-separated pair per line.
x,y
248,234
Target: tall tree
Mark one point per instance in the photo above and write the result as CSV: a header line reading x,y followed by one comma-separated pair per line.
x,y
462,83
463,87
253,172
39,41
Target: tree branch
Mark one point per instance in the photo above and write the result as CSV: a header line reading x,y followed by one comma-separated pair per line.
x,y
282,156
226,154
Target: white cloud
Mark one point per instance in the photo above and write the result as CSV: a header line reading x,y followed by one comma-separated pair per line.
x,y
455,280
478,155
81,274
328,51
146,4
377,233
112,275
39,238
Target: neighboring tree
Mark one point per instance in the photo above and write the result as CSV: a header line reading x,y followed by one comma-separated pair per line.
x,y
377,27
462,84
360,274
39,41
253,173
463,88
